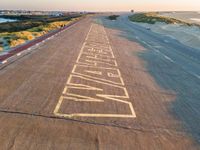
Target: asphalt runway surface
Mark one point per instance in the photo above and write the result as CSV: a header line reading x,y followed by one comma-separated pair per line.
x,y
87,89
173,65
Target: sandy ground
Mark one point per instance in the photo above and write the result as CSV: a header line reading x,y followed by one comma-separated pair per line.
x,y
192,17
186,35
31,89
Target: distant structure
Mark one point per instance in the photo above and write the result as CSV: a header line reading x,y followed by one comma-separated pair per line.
x,y
132,11
56,14
26,12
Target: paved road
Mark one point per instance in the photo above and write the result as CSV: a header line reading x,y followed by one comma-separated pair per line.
x,y
86,89
174,66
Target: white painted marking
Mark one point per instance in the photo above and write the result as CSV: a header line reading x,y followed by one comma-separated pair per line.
x,y
71,84
137,37
157,46
168,58
5,61
166,41
157,51
94,72
144,42
196,75
18,54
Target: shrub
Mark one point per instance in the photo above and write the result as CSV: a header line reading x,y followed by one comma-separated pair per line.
x,y
17,42
153,17
113,17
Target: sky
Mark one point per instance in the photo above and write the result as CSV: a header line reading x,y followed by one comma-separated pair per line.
x,y
102,5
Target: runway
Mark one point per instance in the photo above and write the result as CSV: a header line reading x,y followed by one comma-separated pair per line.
x,y
87,89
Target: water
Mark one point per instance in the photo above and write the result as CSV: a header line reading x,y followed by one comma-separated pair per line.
x,y
6,20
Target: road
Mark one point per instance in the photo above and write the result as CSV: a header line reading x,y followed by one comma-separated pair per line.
x,y
174,66
87,89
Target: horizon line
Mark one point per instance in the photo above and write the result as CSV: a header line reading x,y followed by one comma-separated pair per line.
x,y
101,10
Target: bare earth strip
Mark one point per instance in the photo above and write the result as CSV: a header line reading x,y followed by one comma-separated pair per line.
x,y
86,89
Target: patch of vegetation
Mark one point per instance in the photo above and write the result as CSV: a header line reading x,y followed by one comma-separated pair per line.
x,y
152,18
17,33
28,22
1,45
18,26
17,38
113,17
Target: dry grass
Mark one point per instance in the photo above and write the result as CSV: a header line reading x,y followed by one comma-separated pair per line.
x,y
153,17
17,42
24,35
18,38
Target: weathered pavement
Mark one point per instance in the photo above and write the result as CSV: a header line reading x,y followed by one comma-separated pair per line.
x,y
85,89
